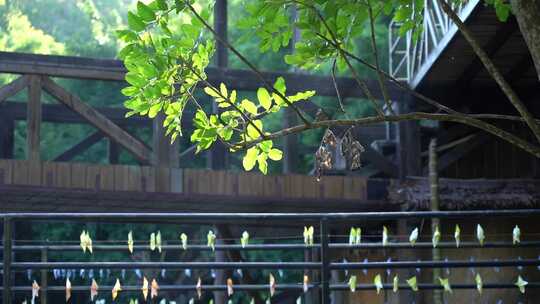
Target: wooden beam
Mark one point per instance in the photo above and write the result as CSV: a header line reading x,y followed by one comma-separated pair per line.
x,y
7,129
59,113
113,152
104,69
33,121
165,154
113,131
80,147
524,64
13,87
408,140
217,158
502,35
459,152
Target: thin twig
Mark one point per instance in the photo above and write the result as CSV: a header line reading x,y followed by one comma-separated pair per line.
x,y
248,63
380,78
338,94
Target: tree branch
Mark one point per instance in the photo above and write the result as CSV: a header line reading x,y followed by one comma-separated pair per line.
x,y
492,70
459,118
249,64
380,78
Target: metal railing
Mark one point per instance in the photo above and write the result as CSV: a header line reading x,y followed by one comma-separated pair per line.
x,y
324,245
409,59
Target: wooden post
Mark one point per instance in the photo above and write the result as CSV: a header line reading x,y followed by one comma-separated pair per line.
x,y
165,153
290,142
113,152
33,120
409,163
7,133
408,140
223,232
434,186
217,156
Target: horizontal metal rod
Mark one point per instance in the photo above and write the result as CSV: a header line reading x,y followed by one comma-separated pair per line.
x,y
435,264
428,286
166,265
274,265
219,217
359,287
429,245
168,247
297,246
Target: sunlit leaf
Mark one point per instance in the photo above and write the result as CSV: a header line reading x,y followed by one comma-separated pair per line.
x,y
245,239
395,284
445,283
436,237
130,241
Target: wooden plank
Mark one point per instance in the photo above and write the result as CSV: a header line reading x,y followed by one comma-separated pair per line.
x,y
148,179
137,148
33,124
78,175
6,172
121,178
93,178
103,69
177,180
80,147
134,178
107,177
163,177
20,172
63,175
13,87
48,174
34,173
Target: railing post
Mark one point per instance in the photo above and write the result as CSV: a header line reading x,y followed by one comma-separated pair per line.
x,y
44,283
7,260
325,263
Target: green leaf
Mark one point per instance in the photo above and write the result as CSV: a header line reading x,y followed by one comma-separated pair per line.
x,y
279,85
250,159
223,90
301,96
263,164
210,91
135,80
275,154
130,91
127,35
135,22
264,98
252,132
249,107
146,13
162,4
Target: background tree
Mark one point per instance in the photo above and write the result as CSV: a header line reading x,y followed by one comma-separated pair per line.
x,y
166,66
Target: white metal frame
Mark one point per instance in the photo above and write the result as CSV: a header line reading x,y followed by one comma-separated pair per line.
x,y
409,60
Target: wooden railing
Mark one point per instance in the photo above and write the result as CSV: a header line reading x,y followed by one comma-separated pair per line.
x,y
110,122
